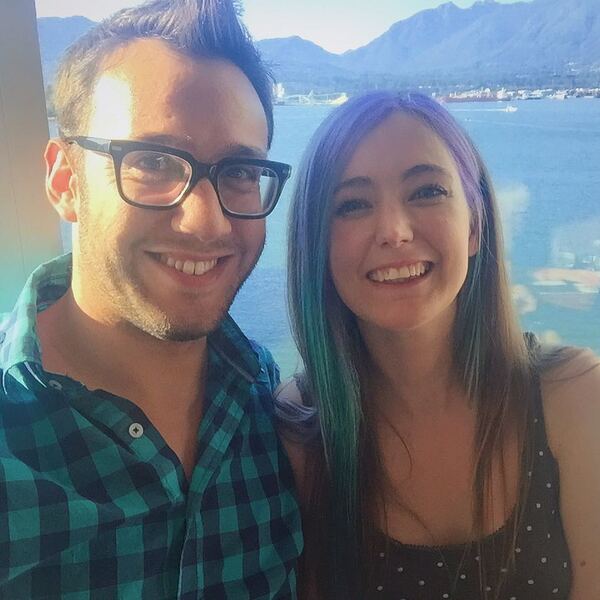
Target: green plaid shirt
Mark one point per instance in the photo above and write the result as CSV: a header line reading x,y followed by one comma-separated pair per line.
x,y
95,505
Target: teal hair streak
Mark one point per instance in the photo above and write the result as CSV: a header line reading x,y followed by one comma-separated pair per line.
x,y
334,382
339,401
319,323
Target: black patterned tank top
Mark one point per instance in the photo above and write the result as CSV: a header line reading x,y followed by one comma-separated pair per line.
x,y
541,568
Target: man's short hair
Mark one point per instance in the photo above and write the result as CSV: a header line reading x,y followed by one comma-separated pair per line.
x,y
197,28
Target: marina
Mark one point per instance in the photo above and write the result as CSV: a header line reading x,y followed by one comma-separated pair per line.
x,y
310,99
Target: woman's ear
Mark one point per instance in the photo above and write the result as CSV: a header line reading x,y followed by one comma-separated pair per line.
x,y
61,181
474,241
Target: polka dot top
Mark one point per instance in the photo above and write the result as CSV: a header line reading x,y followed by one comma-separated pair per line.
x,y
542,568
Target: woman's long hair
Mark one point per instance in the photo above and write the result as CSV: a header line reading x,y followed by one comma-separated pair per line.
x,y
491,357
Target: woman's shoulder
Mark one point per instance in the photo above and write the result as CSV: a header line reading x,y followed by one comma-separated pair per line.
x,y
567,363
570,385
288,392
571,398
570,376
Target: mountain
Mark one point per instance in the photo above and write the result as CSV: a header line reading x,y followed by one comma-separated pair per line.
x,y
542,40
296,50
500,39
297,61
413,40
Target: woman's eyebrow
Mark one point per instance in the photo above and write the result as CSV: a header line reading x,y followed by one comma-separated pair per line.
x,y
352,182
424,168
412,172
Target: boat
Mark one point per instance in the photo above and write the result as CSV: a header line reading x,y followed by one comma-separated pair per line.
x,y
312,99
343,97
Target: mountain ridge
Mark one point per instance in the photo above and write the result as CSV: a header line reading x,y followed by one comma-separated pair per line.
x,y
487,42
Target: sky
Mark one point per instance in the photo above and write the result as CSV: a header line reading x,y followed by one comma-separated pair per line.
x,y
336,25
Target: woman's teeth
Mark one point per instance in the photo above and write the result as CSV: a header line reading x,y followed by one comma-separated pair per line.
x,y
189,267
400,273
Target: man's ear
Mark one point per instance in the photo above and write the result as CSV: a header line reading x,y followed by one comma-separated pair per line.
x,y
61,181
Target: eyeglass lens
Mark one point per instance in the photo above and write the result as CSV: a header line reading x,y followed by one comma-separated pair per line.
x,y
158,179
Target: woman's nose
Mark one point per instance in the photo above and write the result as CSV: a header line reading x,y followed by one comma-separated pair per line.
x,y
394,226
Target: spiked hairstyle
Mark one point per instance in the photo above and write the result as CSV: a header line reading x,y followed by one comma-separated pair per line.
x,y
200,28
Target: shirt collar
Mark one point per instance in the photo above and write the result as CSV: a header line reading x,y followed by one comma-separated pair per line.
x,y
234,348
19,342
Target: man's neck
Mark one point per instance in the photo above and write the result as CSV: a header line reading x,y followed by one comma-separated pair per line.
x,y
122,360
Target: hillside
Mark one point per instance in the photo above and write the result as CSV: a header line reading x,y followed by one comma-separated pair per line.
x,y
542,40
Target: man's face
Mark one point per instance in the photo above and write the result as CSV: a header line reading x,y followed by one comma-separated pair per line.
x,y
132,265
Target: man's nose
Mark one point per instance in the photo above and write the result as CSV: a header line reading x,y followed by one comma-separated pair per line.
x,y
200,214
394,225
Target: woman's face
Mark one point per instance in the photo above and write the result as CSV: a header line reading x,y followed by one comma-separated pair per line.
x,y
400,230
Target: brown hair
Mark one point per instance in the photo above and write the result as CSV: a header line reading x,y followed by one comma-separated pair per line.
x,y
198,28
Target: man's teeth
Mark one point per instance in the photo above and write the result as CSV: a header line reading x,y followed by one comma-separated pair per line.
x,y
400,273
189,267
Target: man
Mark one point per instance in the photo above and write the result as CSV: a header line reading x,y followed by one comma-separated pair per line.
x,y
138,457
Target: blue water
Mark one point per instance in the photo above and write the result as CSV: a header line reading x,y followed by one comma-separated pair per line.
x,y
545,163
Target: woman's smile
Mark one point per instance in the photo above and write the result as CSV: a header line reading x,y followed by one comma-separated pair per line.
x,y
401,229
400,273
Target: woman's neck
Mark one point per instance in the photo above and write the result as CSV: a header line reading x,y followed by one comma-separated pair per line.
x,y
412,372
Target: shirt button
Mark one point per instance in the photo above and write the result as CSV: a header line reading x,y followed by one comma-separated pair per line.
x,y
136,430
54,384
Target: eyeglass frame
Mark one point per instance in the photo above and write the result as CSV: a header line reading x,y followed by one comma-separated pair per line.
x,y
117,149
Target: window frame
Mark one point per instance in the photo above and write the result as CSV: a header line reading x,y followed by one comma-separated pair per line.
x,y
30,227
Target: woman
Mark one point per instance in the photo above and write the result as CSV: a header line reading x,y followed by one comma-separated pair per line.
x,y
427,433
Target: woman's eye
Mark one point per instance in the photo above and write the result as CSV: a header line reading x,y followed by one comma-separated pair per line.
x,y
350,207
429,192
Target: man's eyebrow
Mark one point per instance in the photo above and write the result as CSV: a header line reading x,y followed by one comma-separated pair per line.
x,y
164,139
186,143
424,168
242,150
360,181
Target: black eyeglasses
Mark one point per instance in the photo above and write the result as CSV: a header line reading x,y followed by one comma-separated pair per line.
x,y
159,177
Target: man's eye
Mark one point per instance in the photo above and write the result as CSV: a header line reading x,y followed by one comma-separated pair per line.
x,y
242,172
429,192
155,162
152,163
352,206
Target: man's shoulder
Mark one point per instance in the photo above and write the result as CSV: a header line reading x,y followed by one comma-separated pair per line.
x,y
250,358
268,369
